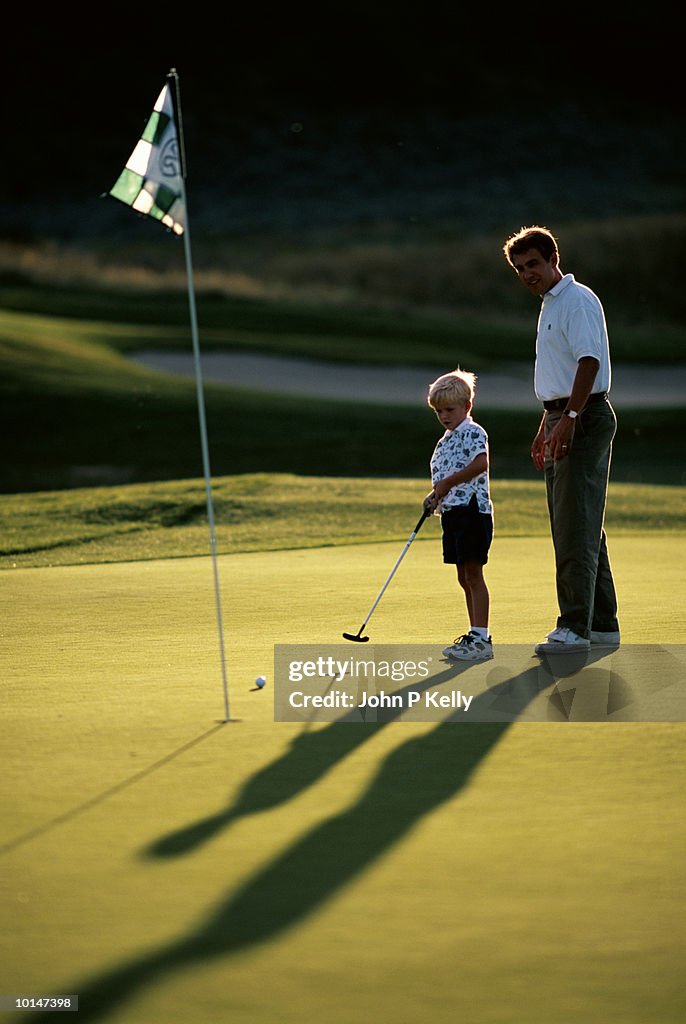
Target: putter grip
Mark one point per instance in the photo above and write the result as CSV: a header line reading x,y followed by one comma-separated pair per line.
x,y
425,515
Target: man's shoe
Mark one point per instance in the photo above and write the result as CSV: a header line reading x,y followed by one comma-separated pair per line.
x,y
609,639
562,641
470,647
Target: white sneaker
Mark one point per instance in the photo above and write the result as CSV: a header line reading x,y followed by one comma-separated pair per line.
x,y
470,647
562,641
610,639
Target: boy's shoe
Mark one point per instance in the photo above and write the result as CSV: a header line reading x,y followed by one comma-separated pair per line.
x,y
562,641
609,639
470,647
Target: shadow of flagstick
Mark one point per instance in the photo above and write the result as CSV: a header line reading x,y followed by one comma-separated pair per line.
x,y
413,780
308,758
119,787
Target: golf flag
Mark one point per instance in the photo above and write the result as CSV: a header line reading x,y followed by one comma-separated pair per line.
x,y
151,182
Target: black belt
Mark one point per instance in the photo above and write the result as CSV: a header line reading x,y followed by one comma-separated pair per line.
x,y
561,403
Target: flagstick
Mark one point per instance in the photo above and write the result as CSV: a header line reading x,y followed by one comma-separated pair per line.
x,y
201,400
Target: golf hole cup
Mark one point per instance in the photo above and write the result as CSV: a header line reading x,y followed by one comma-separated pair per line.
x,y
260,682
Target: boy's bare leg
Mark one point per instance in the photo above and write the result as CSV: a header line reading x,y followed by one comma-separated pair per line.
x,y
462,580
478,598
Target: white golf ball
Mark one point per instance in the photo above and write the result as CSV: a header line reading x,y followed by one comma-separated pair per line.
x,y
260,681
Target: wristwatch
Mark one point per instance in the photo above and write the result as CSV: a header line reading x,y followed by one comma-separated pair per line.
x,y
572,413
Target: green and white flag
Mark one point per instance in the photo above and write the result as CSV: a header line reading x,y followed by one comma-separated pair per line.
x,y
151,182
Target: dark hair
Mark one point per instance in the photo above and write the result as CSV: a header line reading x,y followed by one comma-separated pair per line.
x,y
531,238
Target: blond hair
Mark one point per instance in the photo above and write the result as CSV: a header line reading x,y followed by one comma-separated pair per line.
x,y
456,386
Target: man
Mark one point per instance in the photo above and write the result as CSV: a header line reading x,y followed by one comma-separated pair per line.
x,y
573,444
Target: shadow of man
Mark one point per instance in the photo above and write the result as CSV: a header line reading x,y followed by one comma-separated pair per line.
x,y
413,780
310,755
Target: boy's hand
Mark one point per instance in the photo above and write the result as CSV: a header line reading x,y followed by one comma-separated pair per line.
x,y
433,500
430,502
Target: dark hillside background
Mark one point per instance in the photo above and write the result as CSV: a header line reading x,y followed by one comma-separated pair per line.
x,y
356,114
338,160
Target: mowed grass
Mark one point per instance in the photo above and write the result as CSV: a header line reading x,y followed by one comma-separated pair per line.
x,y
262,512
167,867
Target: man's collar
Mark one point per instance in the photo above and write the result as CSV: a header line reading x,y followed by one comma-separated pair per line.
x,y
561,285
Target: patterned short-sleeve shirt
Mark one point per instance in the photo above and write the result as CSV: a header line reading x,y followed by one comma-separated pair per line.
x,y
455,450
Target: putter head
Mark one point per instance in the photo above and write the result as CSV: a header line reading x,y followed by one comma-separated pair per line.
x,y
356,639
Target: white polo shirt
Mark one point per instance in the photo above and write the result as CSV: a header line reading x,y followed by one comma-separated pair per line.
x,y
571,325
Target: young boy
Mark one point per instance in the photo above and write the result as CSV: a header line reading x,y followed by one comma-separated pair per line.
x,y
459,473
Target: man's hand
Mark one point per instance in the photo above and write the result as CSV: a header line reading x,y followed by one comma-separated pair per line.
x,y
538,449
561,437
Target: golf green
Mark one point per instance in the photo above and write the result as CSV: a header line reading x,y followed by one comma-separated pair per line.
x,y
165,866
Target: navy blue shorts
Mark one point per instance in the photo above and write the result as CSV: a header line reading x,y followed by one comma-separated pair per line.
x,y
467,534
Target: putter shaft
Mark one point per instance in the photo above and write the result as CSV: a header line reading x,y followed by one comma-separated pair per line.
x,y
363,639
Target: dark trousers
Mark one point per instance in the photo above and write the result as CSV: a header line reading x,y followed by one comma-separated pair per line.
x,y
576,488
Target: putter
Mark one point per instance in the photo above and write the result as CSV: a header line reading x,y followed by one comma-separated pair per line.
x,y
358,638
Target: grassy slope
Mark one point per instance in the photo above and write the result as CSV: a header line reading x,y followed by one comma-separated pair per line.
x,y
77,412
258,512
126,320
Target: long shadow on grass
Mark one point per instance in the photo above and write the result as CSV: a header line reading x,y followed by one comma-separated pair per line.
x,y
308,758
414,779
87,805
